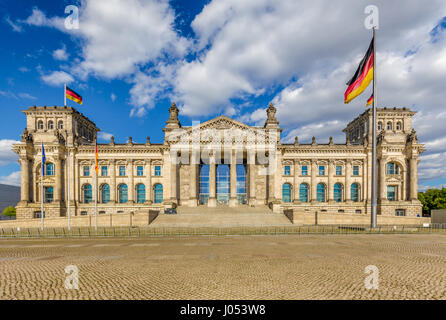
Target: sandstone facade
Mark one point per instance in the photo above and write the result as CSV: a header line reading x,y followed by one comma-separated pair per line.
x,y
324,177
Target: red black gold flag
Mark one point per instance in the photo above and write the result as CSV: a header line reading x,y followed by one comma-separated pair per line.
x,y
370,101
72,95
362,77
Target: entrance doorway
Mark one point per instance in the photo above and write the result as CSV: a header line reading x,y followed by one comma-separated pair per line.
x,y
223,182
204,184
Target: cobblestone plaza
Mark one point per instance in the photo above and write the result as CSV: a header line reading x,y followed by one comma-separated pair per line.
x,y
237,267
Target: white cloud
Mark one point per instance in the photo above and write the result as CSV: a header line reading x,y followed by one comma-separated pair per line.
x,y
15,27
38,18
12,179
25,95
104,135
23,69
142,28
57,78
256,44
119,37
113,97
60,54
6,154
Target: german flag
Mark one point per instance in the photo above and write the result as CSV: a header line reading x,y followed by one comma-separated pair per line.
x,y
370,101
362,77
72,95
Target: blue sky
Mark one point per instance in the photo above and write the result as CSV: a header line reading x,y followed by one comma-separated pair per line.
x,y
130,59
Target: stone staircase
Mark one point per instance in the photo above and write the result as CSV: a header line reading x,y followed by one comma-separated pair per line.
x,y
221,216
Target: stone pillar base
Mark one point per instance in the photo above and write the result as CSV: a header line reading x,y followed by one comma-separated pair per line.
x,y
233,202
193,202
212,202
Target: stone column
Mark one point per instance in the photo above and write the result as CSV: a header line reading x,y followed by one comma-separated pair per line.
x,y
348,180
113,190
313,181
173,181
296,185
233,181
364,188
330,181
58,178
148,170
382,180
77,181
413,178
193,184
24,178
71,168
131,187
271,185
212,183
252,178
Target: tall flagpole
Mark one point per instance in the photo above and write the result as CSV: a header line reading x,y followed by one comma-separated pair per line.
x,y
41,192
68,189
96,190
374,180
68,164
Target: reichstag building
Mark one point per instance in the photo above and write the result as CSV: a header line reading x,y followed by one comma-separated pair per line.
x,y
220,162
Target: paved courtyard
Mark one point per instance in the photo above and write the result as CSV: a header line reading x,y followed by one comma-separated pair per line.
x,y
238,267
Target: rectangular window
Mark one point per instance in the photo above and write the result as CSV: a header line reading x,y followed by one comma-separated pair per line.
x,y
139,171
400,212
339,170
358,211
86,171
48,194
305,170
322,170
122,171
104,171
356,170
38,214
157,170
391,193
287,170
84,213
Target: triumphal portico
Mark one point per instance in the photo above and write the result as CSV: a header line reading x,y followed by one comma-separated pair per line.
x,y
220,162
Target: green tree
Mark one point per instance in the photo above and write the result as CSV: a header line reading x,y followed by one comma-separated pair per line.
x,y
9,211
433,199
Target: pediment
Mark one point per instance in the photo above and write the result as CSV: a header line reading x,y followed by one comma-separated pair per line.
x,y
223,123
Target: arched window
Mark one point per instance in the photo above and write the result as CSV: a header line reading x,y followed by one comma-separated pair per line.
x,y
392,168
389,125
355,192
50,125
40,125
380,126
49,169
303,192
398,125
158,193
337,192
140,193
105,193
320,190
123,193
60,124
87,193
286,192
